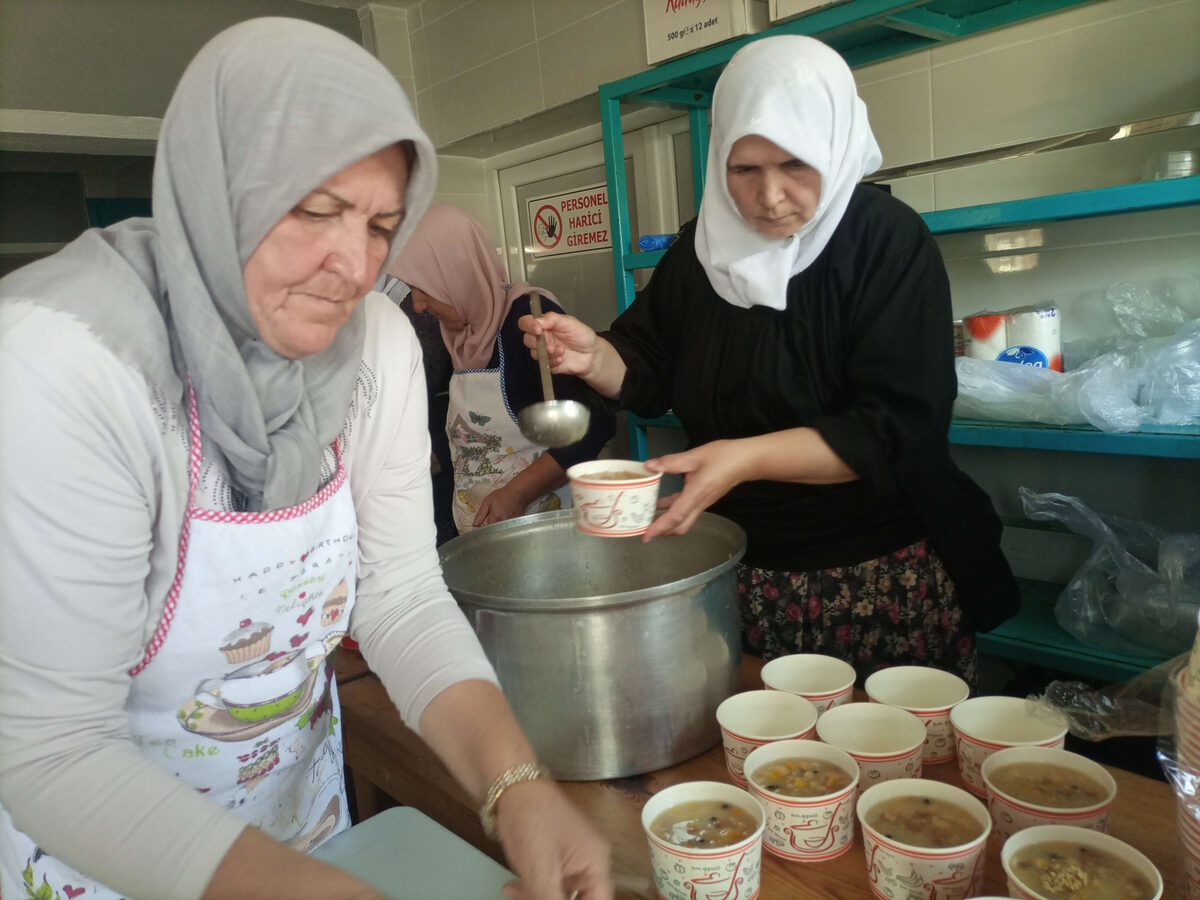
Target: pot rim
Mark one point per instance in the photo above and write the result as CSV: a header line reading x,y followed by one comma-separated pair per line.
x,y
566,518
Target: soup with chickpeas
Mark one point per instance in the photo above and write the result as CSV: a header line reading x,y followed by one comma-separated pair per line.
x,y
1046,784
798,777
1060,870
704,823
924,822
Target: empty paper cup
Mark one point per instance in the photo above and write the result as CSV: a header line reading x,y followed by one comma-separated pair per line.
x,y
1041,801
899,871
824,680
885,741
1025,875
805,829
927,693
983,725
613,497
753,718
685,873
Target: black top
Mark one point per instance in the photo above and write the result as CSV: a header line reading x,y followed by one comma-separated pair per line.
x,y
523,385
863,353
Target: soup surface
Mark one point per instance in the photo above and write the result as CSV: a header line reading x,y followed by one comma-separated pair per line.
x,y
798,777
613,475
1046,784
704,823
924,822
1064,871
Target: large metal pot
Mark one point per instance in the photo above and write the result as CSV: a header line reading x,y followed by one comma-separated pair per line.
x,y
613,653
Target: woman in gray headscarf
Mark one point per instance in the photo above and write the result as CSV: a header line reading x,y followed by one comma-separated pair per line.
x,y
215,456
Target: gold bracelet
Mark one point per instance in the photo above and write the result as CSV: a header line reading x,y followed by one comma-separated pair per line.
x,y
513,775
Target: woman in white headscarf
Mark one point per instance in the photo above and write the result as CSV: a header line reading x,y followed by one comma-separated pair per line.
x,y
215,459
800,328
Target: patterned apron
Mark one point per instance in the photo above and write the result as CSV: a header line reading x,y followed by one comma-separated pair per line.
x,y
487,448
235,694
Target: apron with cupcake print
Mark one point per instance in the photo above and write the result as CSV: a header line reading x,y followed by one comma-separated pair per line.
x,y
235,692
487,449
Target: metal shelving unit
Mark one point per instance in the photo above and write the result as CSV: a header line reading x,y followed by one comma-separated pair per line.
x,y
867,31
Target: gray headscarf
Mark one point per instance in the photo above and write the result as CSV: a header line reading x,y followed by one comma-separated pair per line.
x,y
267,111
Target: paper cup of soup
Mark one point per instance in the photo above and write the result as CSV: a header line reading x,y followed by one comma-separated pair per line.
x,y
753,718
613,497
927,693
705,840
923,839
983,725
1048,862
1029,786
885,741
825,681
807,789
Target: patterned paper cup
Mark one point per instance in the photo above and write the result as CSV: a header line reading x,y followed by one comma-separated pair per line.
x,y
1084,837
826,681
685,873
898,871
613,497
1011,814
806,829
885,741
753,718
984,725
927,693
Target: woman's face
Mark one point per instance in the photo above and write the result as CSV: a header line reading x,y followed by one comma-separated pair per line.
x,y
446,314
307,275
774,192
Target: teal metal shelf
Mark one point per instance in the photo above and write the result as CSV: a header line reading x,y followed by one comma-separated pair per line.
x,y
1034,636
1163,441
1105,201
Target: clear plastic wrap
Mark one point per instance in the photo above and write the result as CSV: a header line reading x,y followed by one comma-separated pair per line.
x,y
1140,587
1163,701
1142,379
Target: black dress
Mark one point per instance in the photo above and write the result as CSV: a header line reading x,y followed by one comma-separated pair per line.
x,y
863,353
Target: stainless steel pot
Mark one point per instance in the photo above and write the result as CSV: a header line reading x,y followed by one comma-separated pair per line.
x,y
613,653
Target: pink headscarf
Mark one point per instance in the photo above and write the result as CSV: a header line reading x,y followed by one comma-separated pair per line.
x,y
452,258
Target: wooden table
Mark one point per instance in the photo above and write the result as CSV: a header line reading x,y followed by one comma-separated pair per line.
x,y
382,754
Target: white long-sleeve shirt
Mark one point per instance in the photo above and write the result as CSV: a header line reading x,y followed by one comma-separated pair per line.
x,y
94,470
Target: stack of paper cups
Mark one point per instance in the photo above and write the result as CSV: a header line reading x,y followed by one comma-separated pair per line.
x,y
1027,335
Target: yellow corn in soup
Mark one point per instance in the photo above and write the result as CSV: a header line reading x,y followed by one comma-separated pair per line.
x,y
1061,870
924,822
797,777
1045,784
704,823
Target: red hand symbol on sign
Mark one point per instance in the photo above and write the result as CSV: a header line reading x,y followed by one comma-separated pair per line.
x,y
547,227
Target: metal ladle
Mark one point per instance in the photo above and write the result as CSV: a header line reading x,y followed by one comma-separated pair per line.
x,y
551,423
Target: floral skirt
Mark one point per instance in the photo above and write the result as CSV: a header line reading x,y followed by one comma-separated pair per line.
x,y
900,609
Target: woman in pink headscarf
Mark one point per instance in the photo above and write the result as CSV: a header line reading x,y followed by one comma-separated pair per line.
x,y
453,270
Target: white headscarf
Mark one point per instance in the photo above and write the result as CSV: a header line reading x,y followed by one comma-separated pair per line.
x,y
267,111
799,94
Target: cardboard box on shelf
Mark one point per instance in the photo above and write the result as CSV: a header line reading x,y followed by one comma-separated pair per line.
x,y
789,9
677,27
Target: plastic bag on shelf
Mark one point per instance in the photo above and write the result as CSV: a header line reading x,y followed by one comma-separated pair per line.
x,y
1138,590
1146,310
1155,381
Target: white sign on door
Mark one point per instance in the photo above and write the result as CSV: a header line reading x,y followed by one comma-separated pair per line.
x,y
570,223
